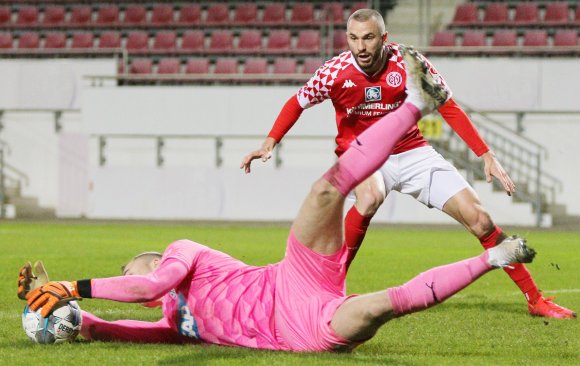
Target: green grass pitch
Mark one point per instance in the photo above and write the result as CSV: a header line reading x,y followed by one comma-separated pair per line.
x,y
485,324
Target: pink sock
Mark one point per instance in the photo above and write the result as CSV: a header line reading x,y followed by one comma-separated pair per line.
x,y
371,149
437,284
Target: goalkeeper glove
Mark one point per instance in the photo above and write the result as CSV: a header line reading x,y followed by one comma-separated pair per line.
x,y
51,294
28,280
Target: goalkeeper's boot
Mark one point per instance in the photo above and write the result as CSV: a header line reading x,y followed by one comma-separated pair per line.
x,y
544,306
510,250
425,90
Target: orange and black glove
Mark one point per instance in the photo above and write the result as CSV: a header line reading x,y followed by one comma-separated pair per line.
x,y
53,293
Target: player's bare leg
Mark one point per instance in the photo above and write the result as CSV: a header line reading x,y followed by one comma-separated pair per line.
x,y
359,318
466,208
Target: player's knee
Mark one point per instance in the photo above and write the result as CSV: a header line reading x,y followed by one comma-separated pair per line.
x,y
480,222
377,313
324,192
369,201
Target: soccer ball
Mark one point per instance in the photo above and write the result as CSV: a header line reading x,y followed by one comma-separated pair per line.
x,y
62,325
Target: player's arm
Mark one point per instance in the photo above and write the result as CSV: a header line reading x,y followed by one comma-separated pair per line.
x,y
458,120
97,329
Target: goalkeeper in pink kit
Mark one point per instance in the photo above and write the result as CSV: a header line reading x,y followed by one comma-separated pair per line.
x,y
299,303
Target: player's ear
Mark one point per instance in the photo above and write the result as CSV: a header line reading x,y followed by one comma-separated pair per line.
x,y
155,263
385,36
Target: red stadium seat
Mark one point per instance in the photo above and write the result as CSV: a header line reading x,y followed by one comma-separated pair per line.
x,y
135,14
311,64
110,39
566,37
221,41
29,40
465,14
246,13
55,40
169,66
197,66
80,15
526,14
308,41
27,16
496,14
339,42
577,15
6,40
137,41
189,14
5,15
226,66
164,41
82,40
278,41
556,13
274,13
162,14
443,39
285,66
504,38
333,11
256,66
217,14
302,13
192,41
141,66
250,40
108,15
54,15
473,38
535,38
357,6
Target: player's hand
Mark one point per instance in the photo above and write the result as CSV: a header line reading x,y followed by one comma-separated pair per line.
x,y
50,294
28,280
493,168
264,154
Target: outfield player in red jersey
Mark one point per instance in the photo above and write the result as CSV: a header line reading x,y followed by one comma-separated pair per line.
x,y
299,303
365,84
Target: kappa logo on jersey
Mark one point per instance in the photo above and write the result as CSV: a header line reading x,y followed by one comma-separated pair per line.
x,y
394,79
373,94
348,84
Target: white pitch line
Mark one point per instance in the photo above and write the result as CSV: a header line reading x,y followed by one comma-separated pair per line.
x,y
559,291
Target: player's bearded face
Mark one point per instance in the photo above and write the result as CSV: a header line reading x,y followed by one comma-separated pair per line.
x,y
365,41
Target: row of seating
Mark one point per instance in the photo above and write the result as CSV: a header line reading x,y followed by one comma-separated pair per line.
x,y
193,41
167,15
525,14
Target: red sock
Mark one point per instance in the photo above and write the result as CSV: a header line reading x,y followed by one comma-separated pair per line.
x,y
355,228
519,274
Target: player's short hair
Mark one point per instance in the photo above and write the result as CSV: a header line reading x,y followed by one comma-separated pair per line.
x,y
153,255
363,15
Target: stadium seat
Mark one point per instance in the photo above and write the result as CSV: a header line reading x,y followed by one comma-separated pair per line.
x,y
302,13
197,66
443,39
164,41
6,40
110,39
169,66
82,40
339,42
465,14
162,14
192,41
473,38
189,14
54,15
577,15
29,40
108,15
535,38
503,42
5,15
217,14
556,13
308,41
278,41
137,41
141,66
221,41
80,15
27,16
333,11
250,41
226,66
135,14
285,65
246,13
526,14
356,6
566,37
55,40
496,14
256,66
311,64
274,13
